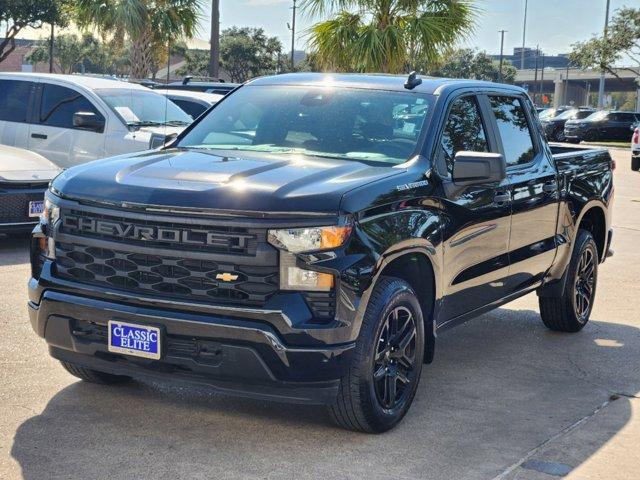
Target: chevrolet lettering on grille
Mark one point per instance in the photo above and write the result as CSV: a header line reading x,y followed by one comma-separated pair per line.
x,y
76,224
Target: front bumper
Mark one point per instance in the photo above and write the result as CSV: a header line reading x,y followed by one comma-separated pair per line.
x,y
241,353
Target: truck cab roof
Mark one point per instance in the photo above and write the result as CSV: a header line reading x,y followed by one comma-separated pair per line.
x,y
429,85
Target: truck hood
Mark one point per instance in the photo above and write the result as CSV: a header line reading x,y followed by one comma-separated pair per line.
x,y
18,165
220,180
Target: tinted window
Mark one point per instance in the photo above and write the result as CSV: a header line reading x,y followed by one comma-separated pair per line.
x,y
623,117
14,99
58,105
346,123
514,130
464,131
193,109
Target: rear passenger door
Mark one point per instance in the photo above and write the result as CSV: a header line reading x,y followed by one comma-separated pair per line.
x,y
534,189
477,218
16,98
54,135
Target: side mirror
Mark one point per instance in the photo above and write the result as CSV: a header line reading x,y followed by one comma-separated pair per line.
x,y
88,121
474,168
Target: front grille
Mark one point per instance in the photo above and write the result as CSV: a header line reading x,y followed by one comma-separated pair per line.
x,y
14,206
199,238
179,278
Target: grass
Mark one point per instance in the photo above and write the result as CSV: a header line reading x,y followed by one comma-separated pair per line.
x,y
610,144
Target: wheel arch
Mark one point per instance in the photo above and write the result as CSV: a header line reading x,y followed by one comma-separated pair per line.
x,y
593,218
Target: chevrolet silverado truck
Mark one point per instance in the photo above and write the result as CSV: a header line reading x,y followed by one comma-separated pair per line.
x,y
310,236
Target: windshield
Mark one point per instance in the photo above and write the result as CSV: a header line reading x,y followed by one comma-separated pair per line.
x,y
368,125
139,108
547,114
595,117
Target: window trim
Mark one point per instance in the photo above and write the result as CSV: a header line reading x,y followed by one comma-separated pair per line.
x,y
535,138
37,107
488,128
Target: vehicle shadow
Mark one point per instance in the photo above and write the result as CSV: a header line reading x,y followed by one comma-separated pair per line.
x,y
14,249
500,386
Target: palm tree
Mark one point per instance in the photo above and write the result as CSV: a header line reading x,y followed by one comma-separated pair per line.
x,y
147,24
389,36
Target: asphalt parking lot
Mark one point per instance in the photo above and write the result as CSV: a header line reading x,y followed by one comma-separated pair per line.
x,y
505,398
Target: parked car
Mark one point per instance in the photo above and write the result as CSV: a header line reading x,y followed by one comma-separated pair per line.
x,y
550,113
73,119
602,125
220,88
554,127
635,149
303,243
193,103
24,177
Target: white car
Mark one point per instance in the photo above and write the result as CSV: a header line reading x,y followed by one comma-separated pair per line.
x,y
24,177
193,103
73,119
635,149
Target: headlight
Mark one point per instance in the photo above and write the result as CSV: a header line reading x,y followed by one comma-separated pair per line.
x,y
51,213
298,240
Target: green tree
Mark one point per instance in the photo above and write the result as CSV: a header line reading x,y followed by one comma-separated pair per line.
x,y
622,44
390,36
18,14
471,64
196,63
248,52
148,24
69,51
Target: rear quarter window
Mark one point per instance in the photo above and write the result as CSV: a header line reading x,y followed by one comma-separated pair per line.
x,y
14,100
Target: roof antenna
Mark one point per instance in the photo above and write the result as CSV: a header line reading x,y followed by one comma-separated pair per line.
x,y
412,82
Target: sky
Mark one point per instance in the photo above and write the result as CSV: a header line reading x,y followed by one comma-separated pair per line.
x,y
553,24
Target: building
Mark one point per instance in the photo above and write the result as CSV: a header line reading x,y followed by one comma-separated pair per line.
x,y
531,56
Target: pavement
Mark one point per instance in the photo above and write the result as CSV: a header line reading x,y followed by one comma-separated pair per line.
x,y
505,399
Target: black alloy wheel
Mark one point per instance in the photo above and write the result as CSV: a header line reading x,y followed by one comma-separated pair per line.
x,y
584,285
394,361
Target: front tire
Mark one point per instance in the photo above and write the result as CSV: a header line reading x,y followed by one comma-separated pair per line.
x,y
93,376
378,387
570,311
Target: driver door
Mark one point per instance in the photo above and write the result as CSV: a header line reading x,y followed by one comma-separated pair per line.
x,y
477,218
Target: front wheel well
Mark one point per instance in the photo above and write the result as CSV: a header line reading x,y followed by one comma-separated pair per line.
x,y
594,221
417,271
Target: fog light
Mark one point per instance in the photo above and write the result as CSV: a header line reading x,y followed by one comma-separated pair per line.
x,y
295,278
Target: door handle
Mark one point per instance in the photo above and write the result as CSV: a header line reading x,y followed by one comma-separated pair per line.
x,y
550,188
41,136
502,198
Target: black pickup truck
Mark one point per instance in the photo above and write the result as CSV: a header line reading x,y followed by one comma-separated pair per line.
x,y
309,237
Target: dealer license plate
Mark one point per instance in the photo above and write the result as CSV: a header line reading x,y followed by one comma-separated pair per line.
x,y
36,208
137,340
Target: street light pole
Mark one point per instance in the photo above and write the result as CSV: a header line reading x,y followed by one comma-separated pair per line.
x,y
524,34
214,54
293,37
51,40
602,73
502,32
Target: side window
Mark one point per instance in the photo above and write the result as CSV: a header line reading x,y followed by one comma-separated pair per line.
x,y
58,105
514,130
14,100
193,109
464,130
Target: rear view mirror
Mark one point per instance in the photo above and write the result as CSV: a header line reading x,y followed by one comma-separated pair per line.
x,y
88,121
473,168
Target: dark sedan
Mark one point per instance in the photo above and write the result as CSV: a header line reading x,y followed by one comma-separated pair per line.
x,y
554,127
602,125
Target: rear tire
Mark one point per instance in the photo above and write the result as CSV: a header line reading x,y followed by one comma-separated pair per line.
x,y
93,376
570,311
379,385
635,163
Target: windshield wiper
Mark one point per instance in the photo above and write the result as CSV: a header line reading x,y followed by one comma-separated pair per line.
x,y
144,123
